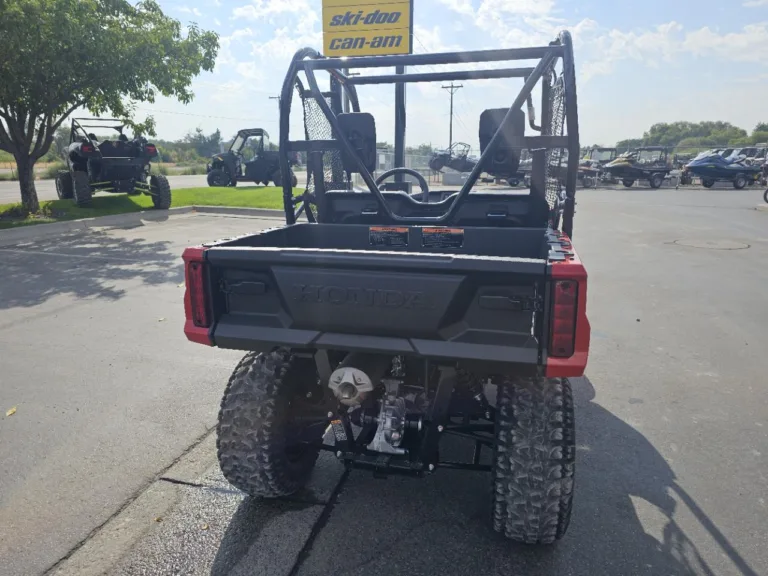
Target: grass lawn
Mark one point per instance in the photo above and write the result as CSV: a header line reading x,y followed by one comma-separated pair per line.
x,y
12,216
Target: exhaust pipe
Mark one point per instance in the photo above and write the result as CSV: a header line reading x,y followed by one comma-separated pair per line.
x,y
357,375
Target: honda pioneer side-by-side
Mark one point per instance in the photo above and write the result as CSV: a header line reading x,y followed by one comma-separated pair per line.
x,y
99,164
378,322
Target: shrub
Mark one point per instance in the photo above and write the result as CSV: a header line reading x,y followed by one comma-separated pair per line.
x,y
49,172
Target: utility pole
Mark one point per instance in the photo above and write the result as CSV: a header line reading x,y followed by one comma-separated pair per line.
x,y
453,88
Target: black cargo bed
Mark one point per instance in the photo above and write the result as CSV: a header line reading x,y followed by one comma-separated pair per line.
x,y
470,293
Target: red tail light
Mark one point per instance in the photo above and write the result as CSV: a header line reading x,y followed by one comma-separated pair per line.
x,y
151,150
197,292
86,148
197,301
563,333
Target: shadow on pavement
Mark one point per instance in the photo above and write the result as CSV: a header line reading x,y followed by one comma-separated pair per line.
x,y
440,525
83,266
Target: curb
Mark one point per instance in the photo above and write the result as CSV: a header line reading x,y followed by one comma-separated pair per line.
x,y
130,218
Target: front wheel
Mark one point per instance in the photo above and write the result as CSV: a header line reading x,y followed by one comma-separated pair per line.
x,y
740,181
218,178
707,182
534,459
765,196
628,183
271,420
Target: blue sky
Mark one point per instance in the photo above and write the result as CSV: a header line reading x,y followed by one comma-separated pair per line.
x,y
637,63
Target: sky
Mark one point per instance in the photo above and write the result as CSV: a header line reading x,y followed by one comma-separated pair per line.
x,y
637,63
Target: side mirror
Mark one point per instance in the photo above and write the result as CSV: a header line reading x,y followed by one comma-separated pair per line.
x,y
360,130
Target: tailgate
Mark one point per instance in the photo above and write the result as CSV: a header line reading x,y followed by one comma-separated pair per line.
x,y
436,305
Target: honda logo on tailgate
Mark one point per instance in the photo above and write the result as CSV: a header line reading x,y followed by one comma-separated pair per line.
x,y
368,297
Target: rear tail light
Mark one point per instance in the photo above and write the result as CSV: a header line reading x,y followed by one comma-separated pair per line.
x,y
563,332
86,148
197,286
151,150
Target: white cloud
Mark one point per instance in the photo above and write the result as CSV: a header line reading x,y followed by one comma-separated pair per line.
x,y
460,6
755,3
749,45
188,10
249,70
262,8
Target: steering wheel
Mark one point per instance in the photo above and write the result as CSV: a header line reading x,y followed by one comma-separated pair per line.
x,y
419,178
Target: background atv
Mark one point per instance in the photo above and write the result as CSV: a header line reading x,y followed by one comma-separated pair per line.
x,y
591,166
96,164
646,163
456,158
248,159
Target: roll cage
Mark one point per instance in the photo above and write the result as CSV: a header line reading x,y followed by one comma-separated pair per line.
x,y
330,149
79,126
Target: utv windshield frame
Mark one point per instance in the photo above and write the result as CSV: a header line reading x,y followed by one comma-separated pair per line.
x,y
309,61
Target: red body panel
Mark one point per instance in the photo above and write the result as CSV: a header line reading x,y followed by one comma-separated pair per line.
x,y
572,269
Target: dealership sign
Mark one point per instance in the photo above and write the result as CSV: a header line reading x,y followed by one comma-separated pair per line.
x,y
352,28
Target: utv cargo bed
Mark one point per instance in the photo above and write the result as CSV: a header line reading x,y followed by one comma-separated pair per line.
x,y
479,294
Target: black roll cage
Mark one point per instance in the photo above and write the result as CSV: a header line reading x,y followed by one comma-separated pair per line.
x,y
309,61
79,126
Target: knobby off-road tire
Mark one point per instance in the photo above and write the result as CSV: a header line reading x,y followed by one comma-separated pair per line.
x,y
161,191
255,421
534,460
740,181
83,193
765,196
656,180
64,187
218,178
628,183
707,182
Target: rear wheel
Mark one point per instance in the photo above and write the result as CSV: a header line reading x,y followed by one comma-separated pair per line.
x,y
218,178
82,192
64,187
765,196
267,423
534,459
656,180
628,183
161,191
707,182
740,181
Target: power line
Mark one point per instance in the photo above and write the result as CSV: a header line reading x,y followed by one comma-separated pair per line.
x,y
200,115
453,88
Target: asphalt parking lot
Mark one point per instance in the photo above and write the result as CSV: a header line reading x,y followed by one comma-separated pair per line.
x,y
672,422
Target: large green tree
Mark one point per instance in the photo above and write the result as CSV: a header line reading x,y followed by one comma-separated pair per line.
x,y
57,56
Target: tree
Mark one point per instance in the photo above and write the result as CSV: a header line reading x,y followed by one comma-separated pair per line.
x,y
761,127
57,56
205,146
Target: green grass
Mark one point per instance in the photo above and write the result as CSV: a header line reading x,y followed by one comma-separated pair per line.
x,y
9,176
13,215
